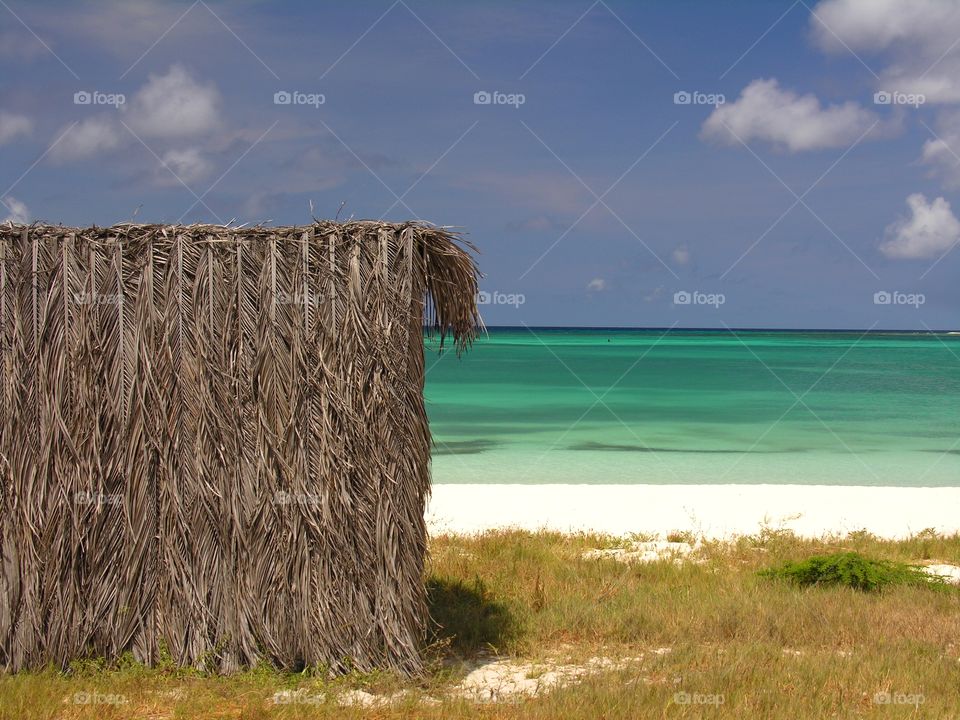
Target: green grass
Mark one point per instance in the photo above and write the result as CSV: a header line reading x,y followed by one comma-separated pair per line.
x,y
768,649
852,570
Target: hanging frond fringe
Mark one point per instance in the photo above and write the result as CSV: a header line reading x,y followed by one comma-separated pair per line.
x,y
213,441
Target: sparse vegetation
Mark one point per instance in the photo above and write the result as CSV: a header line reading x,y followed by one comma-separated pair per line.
x,y
699,636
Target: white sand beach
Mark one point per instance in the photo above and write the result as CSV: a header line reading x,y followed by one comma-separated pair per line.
x,y
710,511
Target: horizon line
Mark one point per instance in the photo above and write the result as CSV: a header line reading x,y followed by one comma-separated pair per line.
x,y
925,331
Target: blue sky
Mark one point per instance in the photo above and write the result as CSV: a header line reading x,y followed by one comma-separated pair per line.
x,y
599,200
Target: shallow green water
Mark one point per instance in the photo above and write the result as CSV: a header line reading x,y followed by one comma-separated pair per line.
x,y
626,406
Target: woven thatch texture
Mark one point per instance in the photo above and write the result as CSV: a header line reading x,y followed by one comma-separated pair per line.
x,y
213,441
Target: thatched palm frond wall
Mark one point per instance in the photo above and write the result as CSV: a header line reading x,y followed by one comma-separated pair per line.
x,y
213,441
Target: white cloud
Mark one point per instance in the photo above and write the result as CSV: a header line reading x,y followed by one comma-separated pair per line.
x,y
681,256
597,285
766,112
913,47
166,109
12,125
931,230
940,152
174,106
877,24
87,138
188,164
918,35
18,210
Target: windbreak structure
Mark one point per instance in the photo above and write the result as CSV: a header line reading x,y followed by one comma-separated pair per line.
x,y
213,441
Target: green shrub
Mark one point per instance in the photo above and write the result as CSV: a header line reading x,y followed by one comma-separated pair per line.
x,y
851,570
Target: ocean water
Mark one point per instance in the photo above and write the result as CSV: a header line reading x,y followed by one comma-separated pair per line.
x,y
547,405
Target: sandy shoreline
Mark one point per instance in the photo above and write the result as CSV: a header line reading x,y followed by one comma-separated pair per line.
x,y
713,511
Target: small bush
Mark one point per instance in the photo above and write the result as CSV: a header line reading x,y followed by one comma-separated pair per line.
x,y
851,570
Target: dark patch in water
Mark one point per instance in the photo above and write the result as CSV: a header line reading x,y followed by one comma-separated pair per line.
x,y
642,448
943,452
462,447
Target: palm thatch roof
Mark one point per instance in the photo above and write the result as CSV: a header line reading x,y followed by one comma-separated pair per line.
x,y
213,440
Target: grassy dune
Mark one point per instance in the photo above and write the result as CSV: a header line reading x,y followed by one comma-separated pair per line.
x,y
700,637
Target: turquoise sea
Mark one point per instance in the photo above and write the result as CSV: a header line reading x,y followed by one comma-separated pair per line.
x,y
549,405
